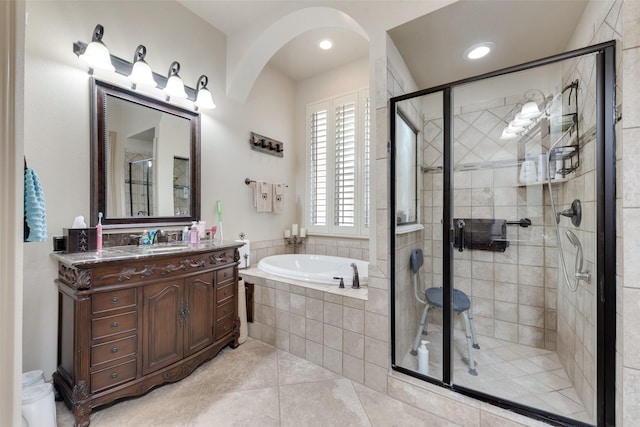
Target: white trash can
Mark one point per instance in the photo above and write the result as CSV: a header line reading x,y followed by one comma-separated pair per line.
x,y
32,378
38,406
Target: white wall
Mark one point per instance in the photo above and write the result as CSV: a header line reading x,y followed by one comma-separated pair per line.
x,y
12,39
57,114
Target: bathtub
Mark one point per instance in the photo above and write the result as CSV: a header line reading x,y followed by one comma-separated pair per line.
x,y
315,268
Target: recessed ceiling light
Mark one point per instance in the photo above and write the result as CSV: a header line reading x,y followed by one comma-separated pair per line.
x,y
478,51
325,44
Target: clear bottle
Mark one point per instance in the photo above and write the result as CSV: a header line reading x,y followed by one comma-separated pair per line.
x,y
423,358
528,171
185,234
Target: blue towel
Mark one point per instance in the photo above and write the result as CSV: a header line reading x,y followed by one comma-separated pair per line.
x,y
35,213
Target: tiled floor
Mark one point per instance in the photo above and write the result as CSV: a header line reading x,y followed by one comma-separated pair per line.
x,y
259,385
528,375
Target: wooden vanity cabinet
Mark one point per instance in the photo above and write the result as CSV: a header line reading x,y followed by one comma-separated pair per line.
x,y
128,325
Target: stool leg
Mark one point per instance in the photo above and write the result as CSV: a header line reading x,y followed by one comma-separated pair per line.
x,y
467,327
473,330
423,320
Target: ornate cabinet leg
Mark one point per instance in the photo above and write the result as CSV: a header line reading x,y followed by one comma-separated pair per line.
x,y
81,406
236,333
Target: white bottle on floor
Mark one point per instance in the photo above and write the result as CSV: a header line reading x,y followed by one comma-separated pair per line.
x,y
423,358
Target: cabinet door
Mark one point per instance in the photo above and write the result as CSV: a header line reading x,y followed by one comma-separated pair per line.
x,y
163,325
199,299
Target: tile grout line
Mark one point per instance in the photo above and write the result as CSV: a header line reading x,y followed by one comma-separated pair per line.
x,y
278,386
364,408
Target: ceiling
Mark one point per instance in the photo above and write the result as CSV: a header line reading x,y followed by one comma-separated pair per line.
x,y
432,44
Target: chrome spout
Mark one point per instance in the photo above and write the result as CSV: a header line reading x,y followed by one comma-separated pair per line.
x,y
356,276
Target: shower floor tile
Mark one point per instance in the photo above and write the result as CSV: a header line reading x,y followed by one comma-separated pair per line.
x,y
528,375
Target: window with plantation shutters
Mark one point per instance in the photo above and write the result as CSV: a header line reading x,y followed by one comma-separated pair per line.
x,y
338,165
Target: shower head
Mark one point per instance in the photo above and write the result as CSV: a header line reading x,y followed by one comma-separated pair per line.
x,y
579,255
573,238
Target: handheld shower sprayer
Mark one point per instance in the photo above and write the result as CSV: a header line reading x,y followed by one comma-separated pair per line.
x,y
579,273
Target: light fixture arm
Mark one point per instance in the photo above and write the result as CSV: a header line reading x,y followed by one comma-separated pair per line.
x,y
174,69
203,81
140,53
98,33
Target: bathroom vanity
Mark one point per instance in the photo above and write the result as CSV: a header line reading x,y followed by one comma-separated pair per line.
x,y
133,318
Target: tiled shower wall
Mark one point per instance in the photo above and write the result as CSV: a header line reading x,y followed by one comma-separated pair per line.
x,y
512,292
577,310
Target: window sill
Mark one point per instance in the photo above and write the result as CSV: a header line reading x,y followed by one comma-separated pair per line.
x,y
404,229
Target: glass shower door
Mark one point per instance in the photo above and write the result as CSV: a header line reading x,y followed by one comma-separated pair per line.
x,y
519,314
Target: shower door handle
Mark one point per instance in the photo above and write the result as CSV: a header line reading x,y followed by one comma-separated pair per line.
x,y
461,234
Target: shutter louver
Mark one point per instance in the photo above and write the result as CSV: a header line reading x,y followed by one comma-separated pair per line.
x,y
345,165
367,163
319,168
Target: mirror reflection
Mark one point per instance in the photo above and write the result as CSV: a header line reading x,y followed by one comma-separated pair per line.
x,y
141,147
146,159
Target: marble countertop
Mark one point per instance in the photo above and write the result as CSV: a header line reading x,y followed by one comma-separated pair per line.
x,y
118,253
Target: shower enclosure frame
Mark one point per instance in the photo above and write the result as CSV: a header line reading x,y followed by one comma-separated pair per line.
x,y
605,279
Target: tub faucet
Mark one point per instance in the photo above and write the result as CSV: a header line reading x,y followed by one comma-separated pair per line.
x,y
356,277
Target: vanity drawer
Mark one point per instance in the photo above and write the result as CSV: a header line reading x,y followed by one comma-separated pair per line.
x,y
225,275
111,325
113,300
224,292
113,376
224,327
224,310
113,350
222,257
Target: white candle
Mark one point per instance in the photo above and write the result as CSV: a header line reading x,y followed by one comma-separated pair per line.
x,y
294,229
287,234
303,232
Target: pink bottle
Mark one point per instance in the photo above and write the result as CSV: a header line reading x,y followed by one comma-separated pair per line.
x,y
99,233
194,234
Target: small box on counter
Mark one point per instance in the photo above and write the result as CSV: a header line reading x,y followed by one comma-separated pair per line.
x,y
80,239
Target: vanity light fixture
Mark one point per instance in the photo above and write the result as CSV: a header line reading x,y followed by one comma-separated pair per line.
x,y
175,86
325,44
141,73
204,99
96,55
479,50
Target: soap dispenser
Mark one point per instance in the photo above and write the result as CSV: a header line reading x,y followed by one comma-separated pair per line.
x,y
423,358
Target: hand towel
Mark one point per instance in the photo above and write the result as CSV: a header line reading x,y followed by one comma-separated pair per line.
x,y
254,187
264,196
35,213
278,197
